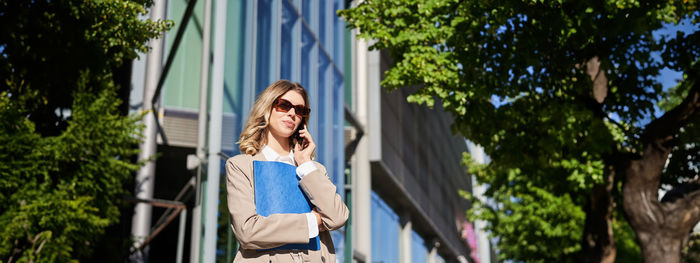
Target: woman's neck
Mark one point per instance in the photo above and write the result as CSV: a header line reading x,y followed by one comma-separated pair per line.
x,y
278,144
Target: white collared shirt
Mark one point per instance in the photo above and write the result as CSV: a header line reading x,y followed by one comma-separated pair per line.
x,y
302,170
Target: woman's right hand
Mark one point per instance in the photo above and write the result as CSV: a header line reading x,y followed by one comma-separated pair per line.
x,y
302,153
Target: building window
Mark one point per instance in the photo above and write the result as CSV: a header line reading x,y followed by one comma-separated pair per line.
x,y
264,44
385,231
289,32
419,252
284,39
439,259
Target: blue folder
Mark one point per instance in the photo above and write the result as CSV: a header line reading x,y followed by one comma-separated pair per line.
x,y
277,191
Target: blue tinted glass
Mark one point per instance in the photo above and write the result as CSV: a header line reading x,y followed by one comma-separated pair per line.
x,y
263,45
289,21
307,62
385,231
308,74
307,45
322,23
306,7
296,3
235,57
439,259
419,253
338,131
324,110
338,36
232,99
339,243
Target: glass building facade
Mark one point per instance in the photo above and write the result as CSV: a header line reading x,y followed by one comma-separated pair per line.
x,y
419,252
386,226
385,231
266,40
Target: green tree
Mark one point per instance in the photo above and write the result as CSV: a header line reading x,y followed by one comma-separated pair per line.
x,y
66,145
562,96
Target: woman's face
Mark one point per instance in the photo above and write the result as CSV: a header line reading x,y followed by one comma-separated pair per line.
x,y
283,124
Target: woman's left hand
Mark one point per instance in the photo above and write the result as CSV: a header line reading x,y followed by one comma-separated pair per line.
x,y
303,151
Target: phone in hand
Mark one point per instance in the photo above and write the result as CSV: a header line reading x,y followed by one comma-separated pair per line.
x,y
296,137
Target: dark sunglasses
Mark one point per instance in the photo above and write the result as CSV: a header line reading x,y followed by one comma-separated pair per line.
x,y
284,106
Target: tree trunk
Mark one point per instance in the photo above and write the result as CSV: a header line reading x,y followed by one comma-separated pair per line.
x,y
122,77
661,228
598,242
659,246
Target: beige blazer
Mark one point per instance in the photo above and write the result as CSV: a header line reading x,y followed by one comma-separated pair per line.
x,y
255,232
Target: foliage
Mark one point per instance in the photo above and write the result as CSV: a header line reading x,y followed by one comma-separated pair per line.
x,y
60,192
685,157
691,253
515,75
542,225
627,249
65,148
46,44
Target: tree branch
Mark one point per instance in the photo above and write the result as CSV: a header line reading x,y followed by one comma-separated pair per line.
x,y
599,90
597,109
623,128
680,191
694,199
662,130
684,212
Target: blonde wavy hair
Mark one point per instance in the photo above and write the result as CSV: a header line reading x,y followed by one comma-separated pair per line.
x,y
254,135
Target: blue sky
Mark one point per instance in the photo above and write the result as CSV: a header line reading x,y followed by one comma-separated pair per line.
x,y
669,77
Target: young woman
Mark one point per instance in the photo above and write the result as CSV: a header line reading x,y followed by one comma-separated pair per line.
x,y
269,135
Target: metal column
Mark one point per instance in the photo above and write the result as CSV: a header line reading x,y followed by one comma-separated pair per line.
x,y
211,207
405,237
195,242
145,178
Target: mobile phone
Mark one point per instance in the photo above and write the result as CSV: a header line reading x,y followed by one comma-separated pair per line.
x,y
297,138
